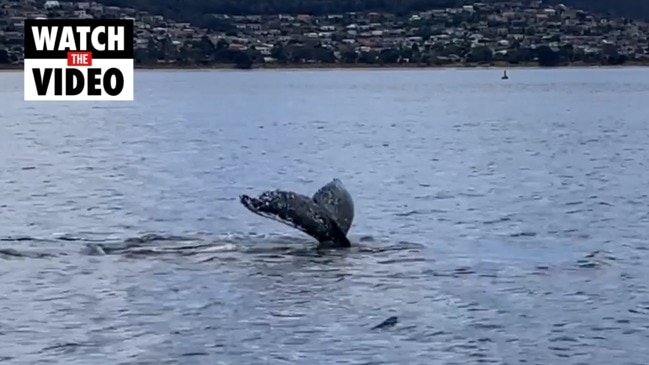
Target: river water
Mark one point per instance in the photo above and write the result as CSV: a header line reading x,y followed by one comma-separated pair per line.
x,y
501,222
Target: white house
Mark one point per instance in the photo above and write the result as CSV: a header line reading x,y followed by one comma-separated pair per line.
x,y
51,4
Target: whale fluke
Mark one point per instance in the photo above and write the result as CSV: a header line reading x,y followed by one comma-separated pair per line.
x,y
336,199
300,212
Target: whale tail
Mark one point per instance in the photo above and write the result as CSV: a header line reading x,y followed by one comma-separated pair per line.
x,y
300,212
338,202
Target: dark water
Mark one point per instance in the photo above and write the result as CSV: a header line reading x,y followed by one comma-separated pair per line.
x,y
501,222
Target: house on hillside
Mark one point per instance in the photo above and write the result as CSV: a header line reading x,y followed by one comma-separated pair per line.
x,y
52,4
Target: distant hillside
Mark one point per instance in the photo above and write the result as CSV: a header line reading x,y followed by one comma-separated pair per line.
x,y
195,10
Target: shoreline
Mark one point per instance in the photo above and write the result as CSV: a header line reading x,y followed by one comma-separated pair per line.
x,y
339,67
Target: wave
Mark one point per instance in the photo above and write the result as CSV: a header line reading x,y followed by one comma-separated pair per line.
x,y
156,244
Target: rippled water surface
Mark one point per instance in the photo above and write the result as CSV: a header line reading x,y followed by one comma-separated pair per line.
x,y
501,222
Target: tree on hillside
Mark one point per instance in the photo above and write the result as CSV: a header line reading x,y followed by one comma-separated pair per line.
x,y
547,57
4,56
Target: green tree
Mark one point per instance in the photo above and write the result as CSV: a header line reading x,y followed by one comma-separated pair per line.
x,y
619,59
547,57
370,57
221,44
406,53
4,56
389,56
222,52
153,50
611,55
299,53
323,55
278,52
242,60
480,54
349,56
187,55
566,53
518,55
453,49
141,57
205,45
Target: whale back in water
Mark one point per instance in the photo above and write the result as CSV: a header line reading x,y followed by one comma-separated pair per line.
x,y
336,199
326,217
300,212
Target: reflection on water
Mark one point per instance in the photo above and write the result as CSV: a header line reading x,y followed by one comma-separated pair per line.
x,y
496,222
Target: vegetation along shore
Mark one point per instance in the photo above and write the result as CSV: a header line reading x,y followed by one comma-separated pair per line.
x,y
443,33
357,66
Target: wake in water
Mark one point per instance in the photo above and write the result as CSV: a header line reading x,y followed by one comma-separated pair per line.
x,y
206,248
172,245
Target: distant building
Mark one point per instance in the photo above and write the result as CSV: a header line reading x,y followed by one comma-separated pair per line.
x,y
52,4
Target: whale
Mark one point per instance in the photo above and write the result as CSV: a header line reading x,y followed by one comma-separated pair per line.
x,y
327,216
336,199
